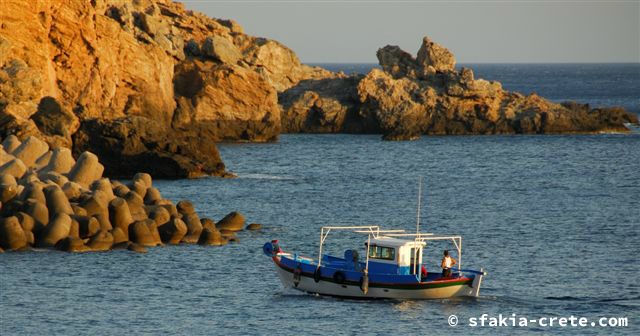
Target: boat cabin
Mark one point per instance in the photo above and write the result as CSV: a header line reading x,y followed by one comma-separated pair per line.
x,y
395,256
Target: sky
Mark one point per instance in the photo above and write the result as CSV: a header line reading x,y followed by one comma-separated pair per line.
x,y
476,31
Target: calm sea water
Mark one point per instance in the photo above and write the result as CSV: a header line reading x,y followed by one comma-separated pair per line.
x,y
553,219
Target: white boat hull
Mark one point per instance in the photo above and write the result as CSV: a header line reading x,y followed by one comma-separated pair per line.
x,y
324,287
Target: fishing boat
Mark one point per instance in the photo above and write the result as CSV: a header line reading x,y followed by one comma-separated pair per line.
x,y
392,267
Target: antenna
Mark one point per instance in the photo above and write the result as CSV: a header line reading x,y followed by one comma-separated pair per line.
x,y
419,200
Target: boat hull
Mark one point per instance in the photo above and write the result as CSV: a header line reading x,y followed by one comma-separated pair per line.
x,y
433,290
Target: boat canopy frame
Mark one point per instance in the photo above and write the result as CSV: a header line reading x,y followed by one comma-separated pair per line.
x,y
375,232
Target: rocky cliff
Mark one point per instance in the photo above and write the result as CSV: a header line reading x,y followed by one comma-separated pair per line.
x,y
146,84
426,94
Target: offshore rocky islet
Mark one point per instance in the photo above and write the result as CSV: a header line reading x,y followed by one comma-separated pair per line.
x,y
150,86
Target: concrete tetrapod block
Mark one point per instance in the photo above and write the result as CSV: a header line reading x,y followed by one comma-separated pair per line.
x,y
57,229
89,226
121,190
136,206
57,201
8,192
101,241
103,219
34,190
61,161
119,236
72,190
209,237
160,215
185,207
30,150
138,187
145,178
119,215
232,222
54,177
139,233
173,231
43,160
194,228
14,167
152,196
39,212
10,143
103,185
12,236
253,227
86,170
26,222
208,223
71,244
7,179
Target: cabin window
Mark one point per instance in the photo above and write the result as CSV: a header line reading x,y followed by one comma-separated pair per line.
x,y
381,252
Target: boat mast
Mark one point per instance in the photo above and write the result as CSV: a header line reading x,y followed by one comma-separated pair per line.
x,y
419,201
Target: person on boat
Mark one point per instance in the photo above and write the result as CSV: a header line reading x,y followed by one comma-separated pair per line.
x,y
447,263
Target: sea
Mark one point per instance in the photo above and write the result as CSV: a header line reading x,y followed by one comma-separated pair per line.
x,y
554,220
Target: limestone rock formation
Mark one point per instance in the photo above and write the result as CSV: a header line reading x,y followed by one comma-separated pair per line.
x,y
144,82
411,96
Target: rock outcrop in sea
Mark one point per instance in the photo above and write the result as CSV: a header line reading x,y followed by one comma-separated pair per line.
x,y
50,200
426,94
146,85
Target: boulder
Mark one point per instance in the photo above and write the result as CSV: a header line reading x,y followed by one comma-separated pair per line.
x,y
57,201
194,228
221,49
101,241
14,167
232,222
209,237
12,236
173,231
435,56
30,150
61,161
86,170
57,229
254,227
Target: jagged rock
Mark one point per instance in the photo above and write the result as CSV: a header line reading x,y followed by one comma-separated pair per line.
x,y
173,231
53,119
101,241
221,49
57,229
436,56
209,237
12,236
232,222
30,150
86,170
254,227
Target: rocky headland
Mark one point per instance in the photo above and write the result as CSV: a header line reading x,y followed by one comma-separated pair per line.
x,y
50,200
149,86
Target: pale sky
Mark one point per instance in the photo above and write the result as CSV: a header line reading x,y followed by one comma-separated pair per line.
x,y
476,31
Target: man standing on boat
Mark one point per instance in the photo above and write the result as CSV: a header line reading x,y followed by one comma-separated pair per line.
x,y
447,263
